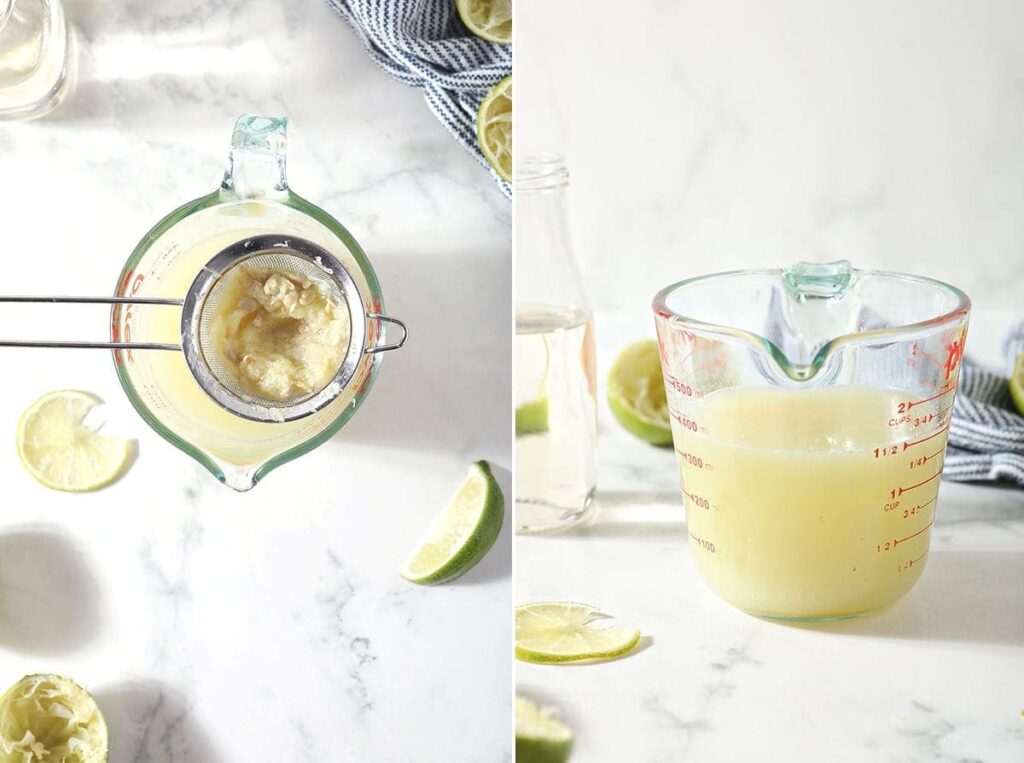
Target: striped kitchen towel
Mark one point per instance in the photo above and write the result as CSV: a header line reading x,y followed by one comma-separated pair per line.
x,y
424,43
986,435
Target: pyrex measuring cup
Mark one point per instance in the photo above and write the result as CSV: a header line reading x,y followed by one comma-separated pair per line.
x,y
253,207
810,409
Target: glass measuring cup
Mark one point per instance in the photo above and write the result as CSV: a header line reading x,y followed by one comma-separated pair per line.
x,y
253,201
810,409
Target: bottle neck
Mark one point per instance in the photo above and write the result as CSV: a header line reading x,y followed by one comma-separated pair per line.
x,y
546,272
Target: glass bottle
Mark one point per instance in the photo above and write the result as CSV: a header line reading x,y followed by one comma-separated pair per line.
x,y
556,383
35,57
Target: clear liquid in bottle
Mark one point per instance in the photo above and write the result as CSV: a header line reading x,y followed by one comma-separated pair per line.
x,y
556,418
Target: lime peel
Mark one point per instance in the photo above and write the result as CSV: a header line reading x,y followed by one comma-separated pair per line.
x,y
541,737
636,393
463,534
552,632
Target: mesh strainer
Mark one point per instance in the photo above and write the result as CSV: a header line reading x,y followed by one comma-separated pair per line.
x,y
296,257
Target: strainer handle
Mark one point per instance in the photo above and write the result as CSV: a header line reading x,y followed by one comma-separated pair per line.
x,y
92,345
392,345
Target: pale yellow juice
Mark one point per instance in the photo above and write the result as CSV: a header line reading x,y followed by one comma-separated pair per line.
x,y
163,380
811,504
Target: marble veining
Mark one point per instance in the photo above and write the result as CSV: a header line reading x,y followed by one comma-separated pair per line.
x,y
215,627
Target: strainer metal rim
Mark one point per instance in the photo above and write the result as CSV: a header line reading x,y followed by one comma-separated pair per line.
x,y
234,255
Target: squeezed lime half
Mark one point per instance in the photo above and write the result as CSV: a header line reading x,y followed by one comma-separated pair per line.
x,y
636,393
494,128
51,719
541,737
490,19
1017,384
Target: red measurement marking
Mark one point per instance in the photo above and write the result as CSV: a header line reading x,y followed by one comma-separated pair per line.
x,y
945,391
915,561
691,459
704,544
700,500
954,354
682,387
902,490
903,540
911,512
912,443
908,513
684,422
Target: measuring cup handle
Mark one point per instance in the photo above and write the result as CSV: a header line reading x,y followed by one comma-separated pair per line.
x,y
394,345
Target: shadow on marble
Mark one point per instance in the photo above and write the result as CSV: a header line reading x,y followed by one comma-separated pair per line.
x,y
49,598
150,722
497,564
444,390
974,597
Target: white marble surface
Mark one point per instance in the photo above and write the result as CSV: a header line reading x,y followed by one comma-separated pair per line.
x,y
711,136
217,627
934,678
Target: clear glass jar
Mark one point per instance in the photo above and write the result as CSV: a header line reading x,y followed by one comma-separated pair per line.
x,y
35,57
556,381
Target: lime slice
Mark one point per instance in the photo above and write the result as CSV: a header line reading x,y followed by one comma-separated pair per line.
x,y
61,451
494,128
1017,384
540,736
636,393
463,534
532,418
490,19
50,718
564,632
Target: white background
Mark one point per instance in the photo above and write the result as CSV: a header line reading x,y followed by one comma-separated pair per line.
x,y
706,136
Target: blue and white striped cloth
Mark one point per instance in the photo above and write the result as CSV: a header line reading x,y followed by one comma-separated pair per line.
x,y
986,435
424,43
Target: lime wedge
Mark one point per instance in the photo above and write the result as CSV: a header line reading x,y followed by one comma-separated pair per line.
x,y
565,632
490,19
59,450
1017,384
532,418
540,736
463,534
50,718
636,393
494,128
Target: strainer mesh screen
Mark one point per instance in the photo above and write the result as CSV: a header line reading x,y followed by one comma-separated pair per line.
x,y
289,264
